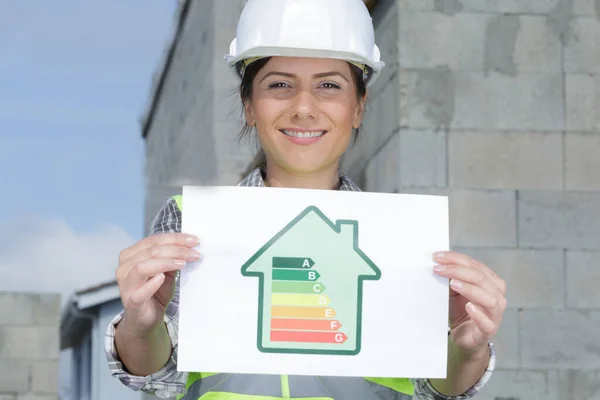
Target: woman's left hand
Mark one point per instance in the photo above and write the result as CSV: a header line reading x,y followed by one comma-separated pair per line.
x,y
477,300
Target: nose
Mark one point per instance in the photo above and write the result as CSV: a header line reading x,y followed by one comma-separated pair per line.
x,y
304,106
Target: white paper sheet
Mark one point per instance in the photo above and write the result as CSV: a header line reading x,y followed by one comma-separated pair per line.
x,y
308,282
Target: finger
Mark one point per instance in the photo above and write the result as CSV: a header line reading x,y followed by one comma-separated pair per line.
x,y
176,239
468,275
172,252
486,326
490,302
138,297
452,257
147,269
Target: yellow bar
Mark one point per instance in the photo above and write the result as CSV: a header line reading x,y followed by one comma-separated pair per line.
x,y
302,312
293,299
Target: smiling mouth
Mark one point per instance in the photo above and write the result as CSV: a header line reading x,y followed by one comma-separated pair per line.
x,y
304,134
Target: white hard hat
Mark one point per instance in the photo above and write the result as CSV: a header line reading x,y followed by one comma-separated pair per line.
x,y
340,29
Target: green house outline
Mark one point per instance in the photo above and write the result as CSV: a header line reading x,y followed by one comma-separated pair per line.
x,y
361,278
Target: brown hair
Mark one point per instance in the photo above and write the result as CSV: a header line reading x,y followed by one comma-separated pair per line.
x,y
245,90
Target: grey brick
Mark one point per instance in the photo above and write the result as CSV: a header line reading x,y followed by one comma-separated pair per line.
x,y
14,377
34,396
422,158
582,56
521,385
560,339
583,102
505,160
428,40
583,275
589,8
8,396
46,309
482,218
510,6
534,278
45,377
559,220
579,385
506,341
537,49
582,161
440,98
16,309
383,171
28,343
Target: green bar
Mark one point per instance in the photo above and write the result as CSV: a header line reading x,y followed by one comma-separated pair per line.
x,y
294,275
293,262
297,287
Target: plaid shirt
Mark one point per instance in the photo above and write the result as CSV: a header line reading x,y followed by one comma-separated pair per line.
x,y
168,382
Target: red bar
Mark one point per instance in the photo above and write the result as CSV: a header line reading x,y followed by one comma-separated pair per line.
x,y
308,337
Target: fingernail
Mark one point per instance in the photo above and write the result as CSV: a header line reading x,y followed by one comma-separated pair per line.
x,y
471,307
193,240
439,254
439,268
456,284
194,254
179,262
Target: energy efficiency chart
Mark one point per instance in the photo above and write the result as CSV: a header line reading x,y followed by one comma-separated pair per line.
x,y
310,297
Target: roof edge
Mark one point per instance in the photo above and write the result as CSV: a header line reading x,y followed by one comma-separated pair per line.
x,y
160,74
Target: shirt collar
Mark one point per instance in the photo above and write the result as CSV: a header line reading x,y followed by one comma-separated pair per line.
x,y
255,179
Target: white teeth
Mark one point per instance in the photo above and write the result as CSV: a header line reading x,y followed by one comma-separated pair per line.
x,y
303,134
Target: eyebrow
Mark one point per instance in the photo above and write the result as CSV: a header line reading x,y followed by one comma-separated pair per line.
x,y
321,75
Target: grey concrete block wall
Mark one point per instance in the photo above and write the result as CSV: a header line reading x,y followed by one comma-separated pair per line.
x,y
29,346
491,102
498,105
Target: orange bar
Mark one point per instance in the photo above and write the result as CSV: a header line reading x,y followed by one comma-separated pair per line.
x,y
306,324
302,312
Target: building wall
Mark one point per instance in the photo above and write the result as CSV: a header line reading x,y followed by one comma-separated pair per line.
x,y
29,343
493,103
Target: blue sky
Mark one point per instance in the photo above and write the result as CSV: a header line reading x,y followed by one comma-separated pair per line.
x,y
74,79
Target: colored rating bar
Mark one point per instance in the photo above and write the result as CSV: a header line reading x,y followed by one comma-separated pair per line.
x,y
305,324
295,275
297,287
300,299
312,337
292,262
302,312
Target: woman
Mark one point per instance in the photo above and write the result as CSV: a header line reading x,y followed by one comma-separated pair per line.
x,y
304,80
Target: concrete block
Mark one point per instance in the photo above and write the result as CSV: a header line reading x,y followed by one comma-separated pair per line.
x,y
440,98
559,219
579,385
44,378
46,309
505,160
560,339
14,377
521,385
383,171
29,343
422,158
589,8
534,278
583,102
582,161
582,56
16,309
8,396
583,275
482,218
428,40
35,396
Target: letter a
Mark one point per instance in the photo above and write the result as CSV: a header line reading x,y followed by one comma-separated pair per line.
x,y
306,264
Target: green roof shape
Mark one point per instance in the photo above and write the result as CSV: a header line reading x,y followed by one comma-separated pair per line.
x,y
310,293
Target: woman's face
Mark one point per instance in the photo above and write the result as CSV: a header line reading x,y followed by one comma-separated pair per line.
x,y
304,111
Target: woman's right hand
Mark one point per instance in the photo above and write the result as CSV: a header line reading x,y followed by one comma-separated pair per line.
x,y
146,277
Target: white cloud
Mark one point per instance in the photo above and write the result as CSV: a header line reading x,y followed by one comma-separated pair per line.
x,y
39,254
